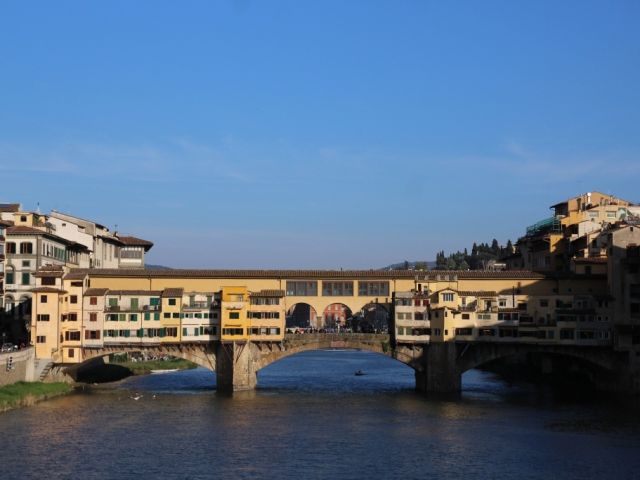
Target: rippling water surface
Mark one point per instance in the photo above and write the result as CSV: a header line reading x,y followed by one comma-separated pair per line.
x,y
313,418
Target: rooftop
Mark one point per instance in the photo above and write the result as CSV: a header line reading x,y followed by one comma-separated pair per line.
x,y
130,241
432,275
9,207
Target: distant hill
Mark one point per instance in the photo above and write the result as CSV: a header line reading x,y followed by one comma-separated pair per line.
x,y
156,267
412,265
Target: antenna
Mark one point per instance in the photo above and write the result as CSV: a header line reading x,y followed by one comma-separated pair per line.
x,y
38,208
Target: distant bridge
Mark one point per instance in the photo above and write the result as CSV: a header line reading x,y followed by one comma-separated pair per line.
x,y
438,366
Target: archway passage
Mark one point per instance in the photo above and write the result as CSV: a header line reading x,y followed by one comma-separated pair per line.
x,y
302,315
372,318
335,317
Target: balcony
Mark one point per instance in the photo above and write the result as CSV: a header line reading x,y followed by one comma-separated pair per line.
x,y
112,308
548,225
151,308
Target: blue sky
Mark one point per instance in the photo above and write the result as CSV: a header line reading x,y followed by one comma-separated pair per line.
x,y
324,134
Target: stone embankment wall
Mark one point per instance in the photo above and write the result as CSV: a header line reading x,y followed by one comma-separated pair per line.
x,y
17,366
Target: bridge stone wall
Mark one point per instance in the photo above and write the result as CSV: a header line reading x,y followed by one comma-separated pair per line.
x,y
438,366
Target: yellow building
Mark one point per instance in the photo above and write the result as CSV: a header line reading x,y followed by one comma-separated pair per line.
x,y
234,321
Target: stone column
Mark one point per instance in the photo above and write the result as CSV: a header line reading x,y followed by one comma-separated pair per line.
x,y
235,367
439,372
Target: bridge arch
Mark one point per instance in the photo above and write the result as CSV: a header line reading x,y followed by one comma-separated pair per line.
x,y
200,354
306,342
475,355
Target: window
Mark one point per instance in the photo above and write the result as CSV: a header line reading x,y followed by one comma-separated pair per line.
x,y
113,302
302,288
234,315
93,317
232,331
447,297
11,247
337,289
172,301
44,317
73,299
133,317
93,300
147,316
73,317
43,299
26,263
41,339
166,315
134,304
72,352
171,332
154,301
72,336
48,281
10,278
373,289
544,302
156,316
92,334
26,278
176,315
26,248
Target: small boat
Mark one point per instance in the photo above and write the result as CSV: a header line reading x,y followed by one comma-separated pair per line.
x,y
137,396
359,373
168,370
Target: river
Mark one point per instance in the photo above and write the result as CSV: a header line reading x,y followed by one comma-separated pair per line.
x,y
312,418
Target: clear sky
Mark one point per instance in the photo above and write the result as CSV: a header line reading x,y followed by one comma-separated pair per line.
x,y
327,134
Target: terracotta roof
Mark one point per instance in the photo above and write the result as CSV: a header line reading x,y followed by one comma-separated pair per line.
x,y
267,293
312,274
172,292
22,229
75,275
6,223
95,292
47,290
155,293
49,271
129,241
9,207
477,293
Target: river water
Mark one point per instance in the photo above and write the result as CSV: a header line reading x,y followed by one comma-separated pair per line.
x,y
312,418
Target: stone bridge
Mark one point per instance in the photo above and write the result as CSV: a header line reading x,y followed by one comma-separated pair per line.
x,y
438,366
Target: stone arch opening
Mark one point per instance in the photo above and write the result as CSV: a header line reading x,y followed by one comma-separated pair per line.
x,y
335,317
198,355
302,315
372,318
579,366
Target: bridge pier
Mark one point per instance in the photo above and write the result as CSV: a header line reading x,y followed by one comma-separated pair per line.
x,y
235,367
439,371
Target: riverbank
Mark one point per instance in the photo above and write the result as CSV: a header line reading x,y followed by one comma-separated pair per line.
x,y
24,394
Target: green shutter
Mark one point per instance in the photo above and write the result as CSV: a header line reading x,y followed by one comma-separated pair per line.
x,y
147,316
156,316
184,331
